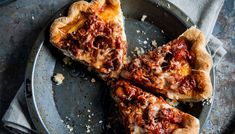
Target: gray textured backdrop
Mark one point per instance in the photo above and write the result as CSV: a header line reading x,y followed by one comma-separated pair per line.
x,y
21,21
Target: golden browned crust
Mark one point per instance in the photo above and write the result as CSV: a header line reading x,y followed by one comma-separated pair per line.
x,y
191,125
201,69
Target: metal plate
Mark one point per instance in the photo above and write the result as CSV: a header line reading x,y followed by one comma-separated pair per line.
x,y
79,103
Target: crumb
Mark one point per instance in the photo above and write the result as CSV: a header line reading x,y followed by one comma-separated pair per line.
x,y
154,43
32,17
168,5
140,51
93,80
162,31
143,32
191,104
89,69
145,42
70,128
100,121
136,49
88,110
89,116
137,31
58,78
143,17
88,128
108,126
67,61
207,102
147,38
187,19
92,114
89,120
78,115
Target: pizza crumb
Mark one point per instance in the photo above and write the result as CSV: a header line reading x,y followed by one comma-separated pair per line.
x,y
187,19
154,43
168,5
143,17
88,128
143,32
100,121
191,104
207,102
137,31
147,38
70,128
89,116
58,78
93,80
140,51
136,49
32,17
162,31
88,110
145,42
108,126
67,61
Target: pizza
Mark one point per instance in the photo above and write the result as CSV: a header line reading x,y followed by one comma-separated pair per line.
x,y
93,34
144,113
179,69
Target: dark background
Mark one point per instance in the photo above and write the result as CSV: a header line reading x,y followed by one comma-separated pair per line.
x,y
21,22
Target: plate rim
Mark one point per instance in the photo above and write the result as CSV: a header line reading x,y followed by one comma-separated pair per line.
x,y
30,68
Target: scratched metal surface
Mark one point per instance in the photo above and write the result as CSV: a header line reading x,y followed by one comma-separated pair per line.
x,y
22,20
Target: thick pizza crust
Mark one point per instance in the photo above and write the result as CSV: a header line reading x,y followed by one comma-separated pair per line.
x,y
191,125
75,13
201,69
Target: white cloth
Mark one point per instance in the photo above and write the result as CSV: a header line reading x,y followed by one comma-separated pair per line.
x,y
203,13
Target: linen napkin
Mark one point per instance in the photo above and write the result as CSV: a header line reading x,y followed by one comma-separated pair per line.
x,y
203,13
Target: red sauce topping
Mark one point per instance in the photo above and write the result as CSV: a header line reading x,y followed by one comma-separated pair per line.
x,y
96,37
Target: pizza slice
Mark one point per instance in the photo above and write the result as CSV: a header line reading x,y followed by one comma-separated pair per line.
x,y
179,69
144,113
93,33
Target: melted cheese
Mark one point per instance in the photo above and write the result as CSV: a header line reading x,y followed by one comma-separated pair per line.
x,y
76,26
137,130
184,70
107,13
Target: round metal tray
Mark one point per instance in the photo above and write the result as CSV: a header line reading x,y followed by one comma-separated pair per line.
x,y
78,103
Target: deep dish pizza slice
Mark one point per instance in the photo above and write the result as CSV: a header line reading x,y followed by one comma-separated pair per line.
x,y
93,33
144,113
179,69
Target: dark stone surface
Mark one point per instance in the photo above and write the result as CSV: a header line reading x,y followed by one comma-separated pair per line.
x,y
21,22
